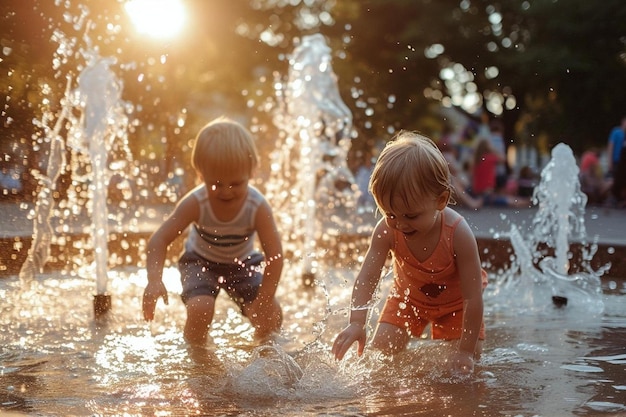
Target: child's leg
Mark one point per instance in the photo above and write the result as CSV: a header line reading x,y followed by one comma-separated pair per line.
x,y
397,322
479,349
243,289
450,327
200,311
199,280
390,339
266,319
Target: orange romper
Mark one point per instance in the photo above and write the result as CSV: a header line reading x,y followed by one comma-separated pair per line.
x,y
428,292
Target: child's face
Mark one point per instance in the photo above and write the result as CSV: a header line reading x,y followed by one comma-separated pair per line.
x,y
417,218
227,187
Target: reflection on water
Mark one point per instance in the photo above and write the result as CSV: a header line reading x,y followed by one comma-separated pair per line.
x,y
55,359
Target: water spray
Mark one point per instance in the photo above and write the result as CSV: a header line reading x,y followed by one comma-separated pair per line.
x,y
315,125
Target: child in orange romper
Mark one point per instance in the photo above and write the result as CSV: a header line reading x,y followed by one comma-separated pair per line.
x,y
438,277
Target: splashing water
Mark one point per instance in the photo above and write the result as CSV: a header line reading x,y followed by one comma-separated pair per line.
x,y
309,164
94,137
541,264
271,372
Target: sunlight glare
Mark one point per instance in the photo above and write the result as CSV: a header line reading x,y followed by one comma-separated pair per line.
x,y
157,18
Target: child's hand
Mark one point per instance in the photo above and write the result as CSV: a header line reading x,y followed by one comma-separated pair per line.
x,y
151,295
354,332
461,363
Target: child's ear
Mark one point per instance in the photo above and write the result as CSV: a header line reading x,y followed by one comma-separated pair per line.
x,y
442,200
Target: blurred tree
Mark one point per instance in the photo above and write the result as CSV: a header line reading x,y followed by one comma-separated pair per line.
x,y
570,58
558,65
551,68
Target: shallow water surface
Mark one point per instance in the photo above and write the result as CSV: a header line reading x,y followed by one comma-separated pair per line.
x,y
56,359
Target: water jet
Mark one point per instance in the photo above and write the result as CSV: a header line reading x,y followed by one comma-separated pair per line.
x,y
94,116
315,134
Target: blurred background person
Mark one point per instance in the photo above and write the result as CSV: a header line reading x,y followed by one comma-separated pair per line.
x,y
593,181
459,179
496,139
615,146
484,179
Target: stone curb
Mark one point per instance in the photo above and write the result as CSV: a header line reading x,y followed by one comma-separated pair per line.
x,y
607,226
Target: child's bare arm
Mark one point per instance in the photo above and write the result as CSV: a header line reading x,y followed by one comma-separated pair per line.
x,y
369,276
184,214
364,287
468,263
264,312
271,244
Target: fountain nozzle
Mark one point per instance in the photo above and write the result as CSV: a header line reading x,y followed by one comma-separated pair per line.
x,y
559,301
101,305
308,279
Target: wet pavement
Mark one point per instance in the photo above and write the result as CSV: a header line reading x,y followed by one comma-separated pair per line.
x,y
605,226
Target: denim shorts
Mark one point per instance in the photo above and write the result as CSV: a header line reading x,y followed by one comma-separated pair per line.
x,y
241,281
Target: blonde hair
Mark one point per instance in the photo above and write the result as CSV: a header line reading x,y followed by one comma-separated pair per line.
x,y
224,145
411,167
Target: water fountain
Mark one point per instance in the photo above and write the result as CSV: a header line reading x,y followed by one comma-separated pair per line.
x,y
543,257
311,154
94,117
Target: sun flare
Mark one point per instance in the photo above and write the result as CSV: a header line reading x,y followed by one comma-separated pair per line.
x,y
157,18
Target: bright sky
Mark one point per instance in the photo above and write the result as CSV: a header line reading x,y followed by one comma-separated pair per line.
x,y
157,18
